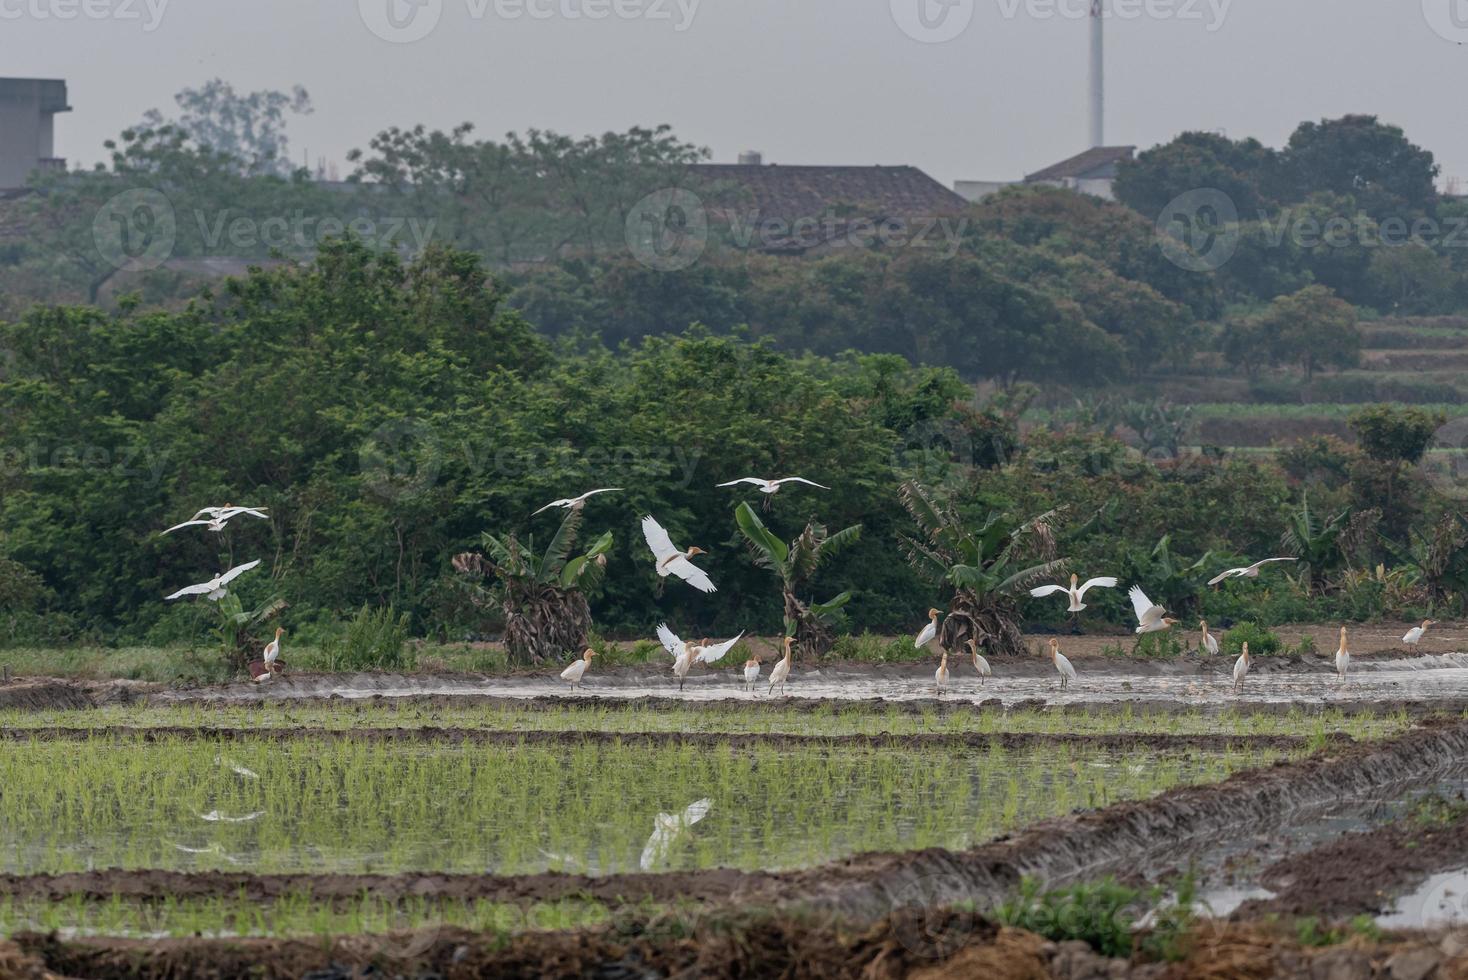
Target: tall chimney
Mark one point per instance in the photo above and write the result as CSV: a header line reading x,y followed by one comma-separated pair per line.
x,y
1098,75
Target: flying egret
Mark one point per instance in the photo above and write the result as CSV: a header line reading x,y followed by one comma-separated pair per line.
x,y
577,670
940,676
576,503
215,589
1076,605
1414,635
780,673
981,664
771,487
215,518
926,634
665,829
671,561
751,673
1209,641
1062,664
1150,616
1250,571
1342,657
1241,667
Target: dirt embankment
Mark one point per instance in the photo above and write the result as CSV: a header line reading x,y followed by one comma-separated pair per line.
x,y
472,736
914,944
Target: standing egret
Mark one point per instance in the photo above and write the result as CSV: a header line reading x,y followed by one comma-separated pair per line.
x,y
666,828
1414,635
215,589
1249,571
980,663
1209,641
682,656
272,649
940,676
671,561
1241,667
711,653
1342,657
575,503
780,673
577,670
1075,592
926,634
751,673
1062,664
1150,616
771,487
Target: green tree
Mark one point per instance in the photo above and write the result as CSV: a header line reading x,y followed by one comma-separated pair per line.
x,y
1194,161
248,128
1361,157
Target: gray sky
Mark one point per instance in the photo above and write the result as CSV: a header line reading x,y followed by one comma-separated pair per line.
x,y
804,81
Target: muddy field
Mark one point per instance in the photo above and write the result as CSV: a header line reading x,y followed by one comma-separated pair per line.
x,y
1309,866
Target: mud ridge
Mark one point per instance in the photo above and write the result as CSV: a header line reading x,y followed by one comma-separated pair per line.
x,y
1120,742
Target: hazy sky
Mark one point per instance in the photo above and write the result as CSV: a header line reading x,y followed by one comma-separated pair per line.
x,y
804,81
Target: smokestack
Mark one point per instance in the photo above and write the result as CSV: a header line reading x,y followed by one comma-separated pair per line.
x,y
1098,76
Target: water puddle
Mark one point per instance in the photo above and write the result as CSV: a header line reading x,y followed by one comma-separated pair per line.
x,y
1441,900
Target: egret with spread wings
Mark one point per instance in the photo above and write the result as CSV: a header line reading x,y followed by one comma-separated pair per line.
x,y
1249,571
215,589
671,561
1075,592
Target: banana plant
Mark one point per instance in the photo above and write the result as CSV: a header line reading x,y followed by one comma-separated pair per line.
x,y
987,568
1315,542
541,594
812,623
239,642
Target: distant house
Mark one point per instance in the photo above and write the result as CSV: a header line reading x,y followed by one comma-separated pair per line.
x,y
1091,172
977,190
27,136
801,210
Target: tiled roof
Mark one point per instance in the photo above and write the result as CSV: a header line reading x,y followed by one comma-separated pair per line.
x,y
1099,161
807,192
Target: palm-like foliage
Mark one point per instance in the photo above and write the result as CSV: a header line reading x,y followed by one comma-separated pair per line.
x,y
542,595
239,639
1315,542
1171,579
795,564
1439,558
987,568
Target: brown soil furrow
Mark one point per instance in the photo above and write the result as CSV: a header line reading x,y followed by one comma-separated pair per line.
x,y
474,736
1125,836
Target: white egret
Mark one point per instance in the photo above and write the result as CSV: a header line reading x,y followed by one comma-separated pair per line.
x,y
685,655
215,518
665,829
940,676
1414,635
711,653
1074,592
671,561
215,589
1342,657
1209,641
1062,664
576,503
1241,667
751,673
780,673
981,664
272,649
1250,571
577,670
926,634
1150,616
771,487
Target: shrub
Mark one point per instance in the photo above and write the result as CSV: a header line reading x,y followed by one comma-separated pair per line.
x,y
1262,643
1098,913
376,639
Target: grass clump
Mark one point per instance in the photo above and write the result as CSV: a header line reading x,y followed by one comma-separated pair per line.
x,y
1099,913
375,639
